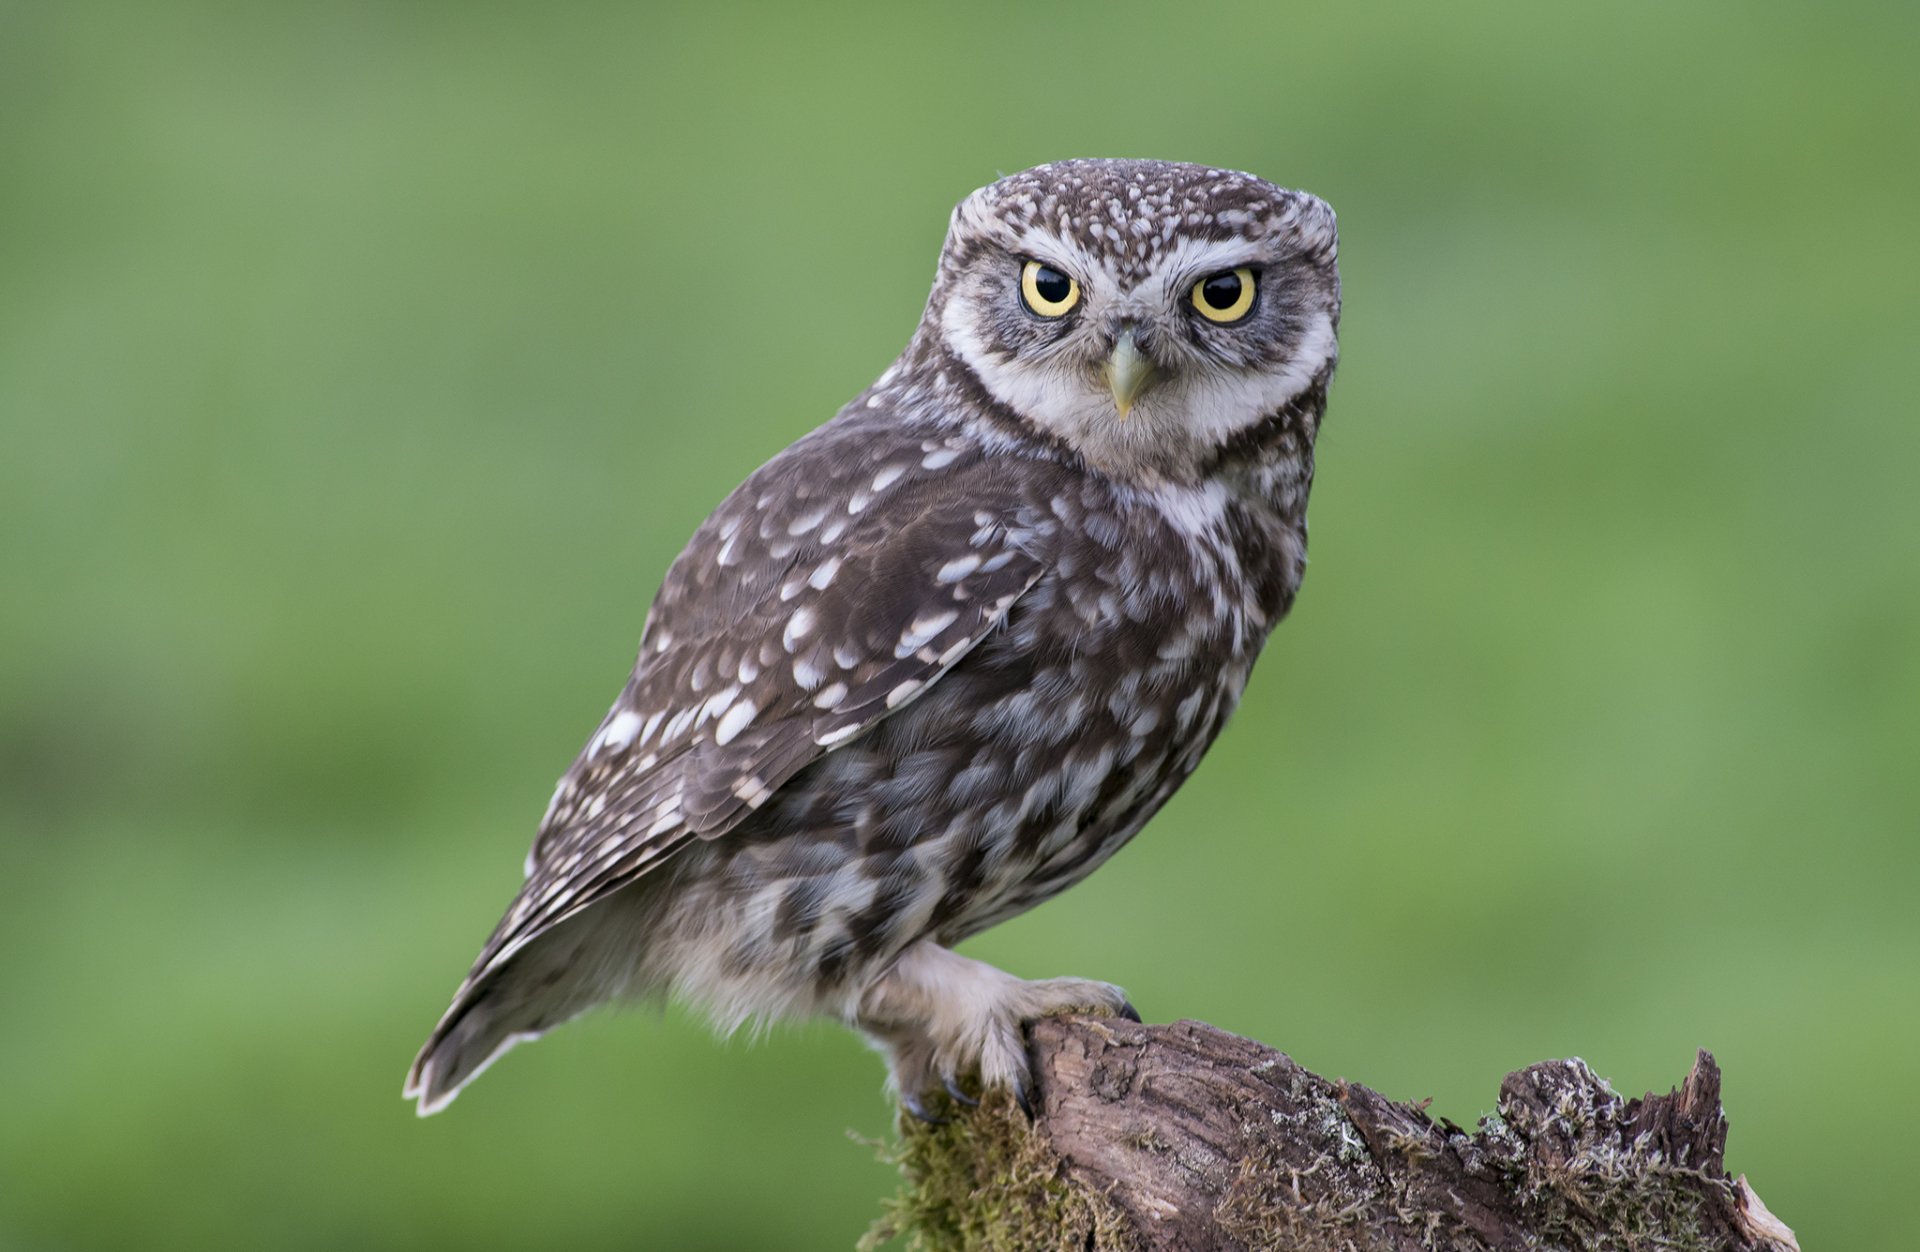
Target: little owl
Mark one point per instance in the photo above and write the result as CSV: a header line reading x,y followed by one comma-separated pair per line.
x,y
941,658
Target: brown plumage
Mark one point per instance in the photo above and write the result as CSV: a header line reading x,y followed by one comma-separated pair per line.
x,y
939,659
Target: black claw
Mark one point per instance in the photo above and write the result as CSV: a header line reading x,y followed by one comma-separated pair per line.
x,y
1020,1097
912,1104
959,1096
1128,1011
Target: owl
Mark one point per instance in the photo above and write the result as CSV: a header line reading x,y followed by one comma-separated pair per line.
x,y
942,657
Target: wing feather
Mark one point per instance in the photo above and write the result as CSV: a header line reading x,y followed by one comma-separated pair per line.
x,y
832,588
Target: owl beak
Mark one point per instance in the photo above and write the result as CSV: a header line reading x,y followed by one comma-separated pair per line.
x,y
1129,370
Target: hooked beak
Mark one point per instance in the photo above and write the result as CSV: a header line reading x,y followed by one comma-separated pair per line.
x,y
1128,372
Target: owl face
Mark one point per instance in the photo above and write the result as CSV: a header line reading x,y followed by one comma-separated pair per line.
x,y
1143,312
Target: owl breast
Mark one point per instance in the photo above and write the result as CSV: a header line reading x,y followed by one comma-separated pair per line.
x,y
1041,753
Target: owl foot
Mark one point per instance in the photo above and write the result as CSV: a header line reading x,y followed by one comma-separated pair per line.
x,y
938,1016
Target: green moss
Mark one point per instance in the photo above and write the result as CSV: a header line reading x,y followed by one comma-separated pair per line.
x,y
1616,1200
984,1183
1612,1193
1272,1208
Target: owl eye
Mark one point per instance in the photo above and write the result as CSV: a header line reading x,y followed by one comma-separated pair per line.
x,y
1224,297
1046,291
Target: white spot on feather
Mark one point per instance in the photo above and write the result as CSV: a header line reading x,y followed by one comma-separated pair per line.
x,y
839,735
667,816
923,629
716,705
798,627
754,791
1187,708
619,732
953,571
737,719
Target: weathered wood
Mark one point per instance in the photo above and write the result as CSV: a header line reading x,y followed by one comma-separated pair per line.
x,y
1185,1137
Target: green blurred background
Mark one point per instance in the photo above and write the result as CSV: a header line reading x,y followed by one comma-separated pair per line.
x,y
363,365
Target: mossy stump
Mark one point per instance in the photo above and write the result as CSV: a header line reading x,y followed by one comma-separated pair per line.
x,y
1184,1137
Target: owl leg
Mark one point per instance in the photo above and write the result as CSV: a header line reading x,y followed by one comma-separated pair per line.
x,y
938,1015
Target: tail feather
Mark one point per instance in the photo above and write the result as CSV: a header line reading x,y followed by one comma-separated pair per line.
x,y
559,975
476,1032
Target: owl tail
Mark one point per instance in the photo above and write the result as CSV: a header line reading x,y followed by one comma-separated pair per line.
x,y
476,1031
541,986
590,958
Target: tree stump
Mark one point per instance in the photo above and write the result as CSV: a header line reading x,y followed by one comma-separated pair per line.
x,y
1185,1137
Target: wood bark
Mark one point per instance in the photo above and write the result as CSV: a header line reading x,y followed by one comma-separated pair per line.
x,y
1186,1137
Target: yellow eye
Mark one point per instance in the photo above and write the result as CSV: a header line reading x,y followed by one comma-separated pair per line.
x,y
1047,291
1224,297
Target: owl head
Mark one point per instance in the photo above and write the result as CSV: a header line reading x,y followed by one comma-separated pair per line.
x,y
1152,316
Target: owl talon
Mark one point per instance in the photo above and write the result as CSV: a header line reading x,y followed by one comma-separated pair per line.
x,y
919,1111
939,1015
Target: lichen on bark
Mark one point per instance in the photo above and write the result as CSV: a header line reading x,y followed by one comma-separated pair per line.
x,y
1185,1137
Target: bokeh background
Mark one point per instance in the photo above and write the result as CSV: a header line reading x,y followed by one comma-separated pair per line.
x,y
362,366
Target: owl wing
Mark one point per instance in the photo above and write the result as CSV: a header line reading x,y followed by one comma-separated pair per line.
x,y
836,585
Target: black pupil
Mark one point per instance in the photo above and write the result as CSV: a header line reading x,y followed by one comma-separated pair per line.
x,y
1221,291
1053,286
